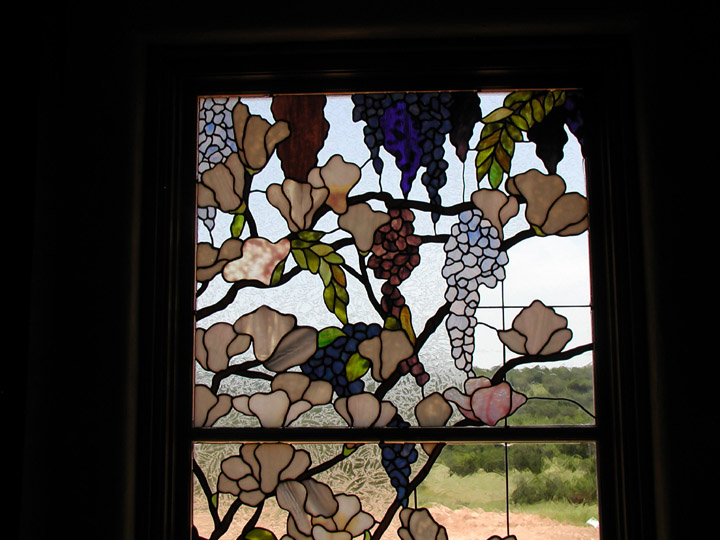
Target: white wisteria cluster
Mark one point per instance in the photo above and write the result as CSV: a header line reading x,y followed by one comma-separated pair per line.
x,y
473,258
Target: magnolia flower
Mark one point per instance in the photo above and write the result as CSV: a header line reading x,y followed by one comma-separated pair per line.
x,y
256,138
208,407
215,346
297,202
362,221
537,330
291,395
259,259
484,402
258,470
338,177
222,186
496,207
210,260
418,524
363,410
386,351
549,208
316,514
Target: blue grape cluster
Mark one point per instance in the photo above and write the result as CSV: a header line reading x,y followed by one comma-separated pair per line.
x,y
396,460
412,127
328,363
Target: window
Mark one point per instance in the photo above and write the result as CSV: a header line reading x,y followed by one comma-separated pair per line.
x,y
324,448
389,262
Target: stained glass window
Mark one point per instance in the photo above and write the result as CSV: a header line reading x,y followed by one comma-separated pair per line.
x,y
393,317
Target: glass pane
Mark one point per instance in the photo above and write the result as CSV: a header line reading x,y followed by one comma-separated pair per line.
x,y
553,491
392,260
471,491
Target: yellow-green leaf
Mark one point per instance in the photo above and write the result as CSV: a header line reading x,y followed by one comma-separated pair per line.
x,y
514,132
341,292
301,244
549,102
325,272
322,249
496,174
526,114
327,335
537,110
497,115
313,261
260,534
299,257
236,227
311,236
517,97
214,500
356,367
519,122
347,451
391,323
277,273
333,258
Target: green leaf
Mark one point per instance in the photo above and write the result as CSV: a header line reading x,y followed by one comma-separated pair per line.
x,y
496,174
327,335
391,323
311,236
237,225
278,272
549,102
514,132
214,500
520,122
347,451
322,249
497,115
341,292
260,534
526,114
356,367
299,257
537,110
341,311
325,272
313,261
517,97
301,244
333,258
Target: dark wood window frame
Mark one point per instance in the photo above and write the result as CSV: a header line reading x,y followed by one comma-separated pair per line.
x,y
178,74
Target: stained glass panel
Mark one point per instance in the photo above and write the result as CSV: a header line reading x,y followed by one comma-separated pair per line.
x,y
384,260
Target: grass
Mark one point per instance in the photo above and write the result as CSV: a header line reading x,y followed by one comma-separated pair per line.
x,y
486,491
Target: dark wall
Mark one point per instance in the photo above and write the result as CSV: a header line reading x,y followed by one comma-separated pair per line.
x,y
76,201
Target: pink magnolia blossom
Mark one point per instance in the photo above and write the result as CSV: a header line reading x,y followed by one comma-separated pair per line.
x,y
484,402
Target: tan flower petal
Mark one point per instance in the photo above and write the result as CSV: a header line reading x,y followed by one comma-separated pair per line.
x,y
267,327
568,216
339,177
538,323
434,410
497,207
362,221
540,191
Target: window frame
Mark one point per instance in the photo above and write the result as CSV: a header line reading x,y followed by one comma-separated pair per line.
x,y
178,74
